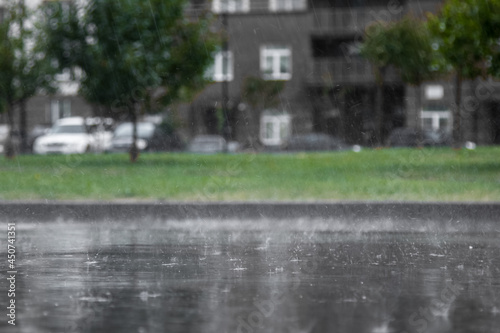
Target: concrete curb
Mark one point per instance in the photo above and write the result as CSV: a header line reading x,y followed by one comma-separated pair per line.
x,y
124,211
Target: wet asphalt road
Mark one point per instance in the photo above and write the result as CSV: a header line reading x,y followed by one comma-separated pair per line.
x,y
252,276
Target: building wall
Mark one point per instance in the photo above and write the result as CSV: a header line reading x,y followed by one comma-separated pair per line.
x,y
40,110
332,88
480,115
330,24
247,34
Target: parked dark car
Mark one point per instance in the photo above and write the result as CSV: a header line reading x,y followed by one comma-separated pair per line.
x,y
407,137
150,137
314,142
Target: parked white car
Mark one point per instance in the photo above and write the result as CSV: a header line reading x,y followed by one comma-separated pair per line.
x,y
68,136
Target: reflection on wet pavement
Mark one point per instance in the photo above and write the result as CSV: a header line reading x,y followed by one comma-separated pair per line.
x,y
253,276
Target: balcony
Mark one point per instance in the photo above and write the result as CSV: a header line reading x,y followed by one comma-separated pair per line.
x,y
350,21
326,71
329,72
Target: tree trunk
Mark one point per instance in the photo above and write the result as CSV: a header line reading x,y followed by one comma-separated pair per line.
x,y
134,151
226,126
379,108
475,115
23,125
9,150
456,133
475,118
418,120
341,127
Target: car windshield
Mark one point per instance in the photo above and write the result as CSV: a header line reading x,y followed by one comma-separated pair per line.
x,y
144,130
68,129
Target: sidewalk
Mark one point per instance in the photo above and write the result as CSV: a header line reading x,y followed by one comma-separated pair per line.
x,y
39,211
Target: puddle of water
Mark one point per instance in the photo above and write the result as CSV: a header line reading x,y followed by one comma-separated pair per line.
x,y
255,276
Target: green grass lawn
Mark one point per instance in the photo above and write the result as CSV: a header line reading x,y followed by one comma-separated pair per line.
x,y
388,174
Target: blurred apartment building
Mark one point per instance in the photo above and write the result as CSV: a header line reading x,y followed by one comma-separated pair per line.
x,y
312,46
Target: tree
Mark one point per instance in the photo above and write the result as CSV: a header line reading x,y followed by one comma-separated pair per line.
x,y
377,47
23,68
465,34
491,28
414,58
130,52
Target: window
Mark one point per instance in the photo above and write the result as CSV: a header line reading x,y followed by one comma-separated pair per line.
x,y
144,130
222,69
274,128
59,109
55,112
436,120
66,108
286,5
230,6
327,47
276,62
68,129
434,92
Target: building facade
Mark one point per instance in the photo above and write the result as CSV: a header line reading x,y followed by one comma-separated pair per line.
x,y
313,47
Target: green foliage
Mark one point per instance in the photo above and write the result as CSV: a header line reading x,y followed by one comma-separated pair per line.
x,y
377,44
491,29
131,50
465,33
405,44
7,67
260,93
412,50
23,67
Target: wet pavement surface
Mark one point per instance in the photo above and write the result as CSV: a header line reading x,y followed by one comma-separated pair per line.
x,y
253,276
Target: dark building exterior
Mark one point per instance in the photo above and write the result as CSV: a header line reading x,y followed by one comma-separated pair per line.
x,y
313,46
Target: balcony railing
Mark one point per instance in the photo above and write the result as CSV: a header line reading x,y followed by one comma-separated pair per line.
x,y
342,21
334,71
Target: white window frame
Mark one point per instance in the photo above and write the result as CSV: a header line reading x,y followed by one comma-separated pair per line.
x,y
287,5
219,75
231,6
279,123
436,116
275,52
